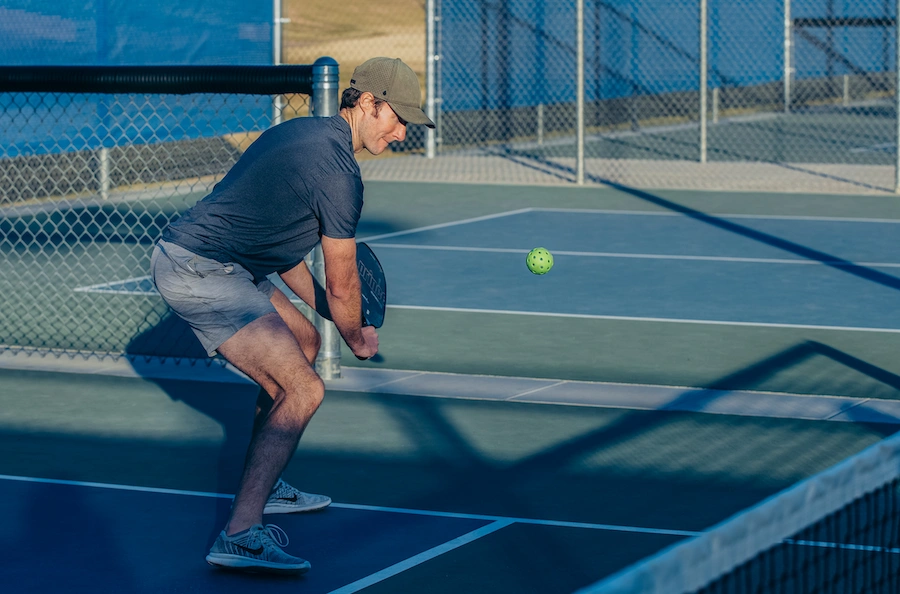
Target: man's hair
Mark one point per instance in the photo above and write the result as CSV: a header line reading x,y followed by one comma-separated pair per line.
x,y
350,98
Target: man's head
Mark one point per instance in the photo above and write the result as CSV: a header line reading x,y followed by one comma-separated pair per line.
x,y
384,95
392,81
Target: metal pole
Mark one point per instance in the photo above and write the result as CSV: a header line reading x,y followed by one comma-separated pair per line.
x,y
715,105
897,97
540,123
703,81
431,57
328,363
788,43
104,173
324,103
579,92
324,100
277,102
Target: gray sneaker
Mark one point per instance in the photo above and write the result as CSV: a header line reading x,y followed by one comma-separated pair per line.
x,y
285,499
256,549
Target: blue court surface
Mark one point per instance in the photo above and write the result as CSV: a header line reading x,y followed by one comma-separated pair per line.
x,y
146,540
442,482
440,492
755,270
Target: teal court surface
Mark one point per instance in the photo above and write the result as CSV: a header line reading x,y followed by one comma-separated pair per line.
x,y
689,356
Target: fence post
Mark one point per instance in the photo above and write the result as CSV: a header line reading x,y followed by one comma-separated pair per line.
x,y
579,91
540,123
325,104
703,81
431,57
326,79
897,97
277,22
788,71
715,105
104,173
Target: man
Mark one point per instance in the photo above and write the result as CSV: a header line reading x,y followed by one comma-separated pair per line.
x,y
298,184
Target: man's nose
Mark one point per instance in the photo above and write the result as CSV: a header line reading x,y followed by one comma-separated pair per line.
x,y
401,133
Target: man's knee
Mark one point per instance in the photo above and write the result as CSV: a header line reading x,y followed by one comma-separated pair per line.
x,y
303,396
312,349
317,392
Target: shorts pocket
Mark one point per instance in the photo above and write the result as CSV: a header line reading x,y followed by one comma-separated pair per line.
x,y
204,267
195,264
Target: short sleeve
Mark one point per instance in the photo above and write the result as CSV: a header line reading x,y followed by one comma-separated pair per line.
x,y
338,201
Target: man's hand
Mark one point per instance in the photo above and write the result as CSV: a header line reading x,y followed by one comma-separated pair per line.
x,y
370,348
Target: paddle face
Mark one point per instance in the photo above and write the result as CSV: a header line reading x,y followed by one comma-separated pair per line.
x,y
374,287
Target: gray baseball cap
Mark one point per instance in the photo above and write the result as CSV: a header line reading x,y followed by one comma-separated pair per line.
x,y
390,80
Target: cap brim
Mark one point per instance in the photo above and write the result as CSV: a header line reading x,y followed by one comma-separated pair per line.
x,y
412,115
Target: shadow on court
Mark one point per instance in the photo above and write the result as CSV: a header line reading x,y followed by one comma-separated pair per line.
x,y
662,469
803,251
30,563
655,469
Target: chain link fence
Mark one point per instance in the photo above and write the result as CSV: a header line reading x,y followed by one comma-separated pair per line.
x,y
88,183
395,28
763,95
756,96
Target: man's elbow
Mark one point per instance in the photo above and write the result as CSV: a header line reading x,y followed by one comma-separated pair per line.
x,y
341,292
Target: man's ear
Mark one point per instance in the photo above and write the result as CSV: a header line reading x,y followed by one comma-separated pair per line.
x,y
367,102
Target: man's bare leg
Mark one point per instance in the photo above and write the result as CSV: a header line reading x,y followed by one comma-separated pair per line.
x,y
268,352
308,338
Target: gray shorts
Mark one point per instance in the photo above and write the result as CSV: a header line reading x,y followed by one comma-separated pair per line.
x,y
216,299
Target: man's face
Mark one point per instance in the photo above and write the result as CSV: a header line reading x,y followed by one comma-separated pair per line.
x,y
381,129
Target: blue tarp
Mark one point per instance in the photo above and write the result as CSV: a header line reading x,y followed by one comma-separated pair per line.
x,y
128,32
133,32
516,53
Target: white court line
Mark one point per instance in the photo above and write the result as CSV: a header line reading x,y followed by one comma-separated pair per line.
x,y
639,319
422,557
106,291
530,521
444,225
797,261
374,508
100,289
655,213
843,546
875,148
29,479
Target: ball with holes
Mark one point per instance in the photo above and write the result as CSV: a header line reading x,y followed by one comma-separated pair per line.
x,y
539,260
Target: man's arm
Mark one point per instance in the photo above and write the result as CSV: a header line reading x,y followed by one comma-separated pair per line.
x,y
341,301
300,280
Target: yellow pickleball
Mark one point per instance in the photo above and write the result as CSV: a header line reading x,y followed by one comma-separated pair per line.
x,y
539,260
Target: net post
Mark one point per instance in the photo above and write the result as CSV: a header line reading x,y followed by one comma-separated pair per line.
x,y
324,103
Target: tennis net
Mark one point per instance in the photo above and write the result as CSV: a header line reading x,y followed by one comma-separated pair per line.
x,y
836,532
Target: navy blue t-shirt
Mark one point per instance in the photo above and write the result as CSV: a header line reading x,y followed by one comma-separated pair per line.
x,y
298,181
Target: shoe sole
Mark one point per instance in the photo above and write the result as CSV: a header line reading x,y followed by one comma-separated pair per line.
x,y
245,564
287,508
